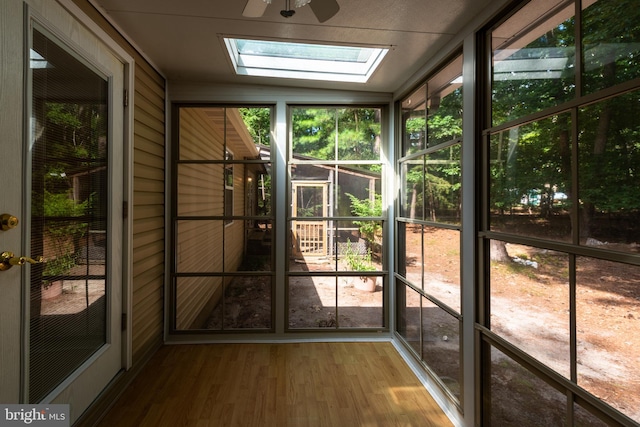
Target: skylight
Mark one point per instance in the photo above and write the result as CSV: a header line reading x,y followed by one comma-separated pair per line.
x,y
303,60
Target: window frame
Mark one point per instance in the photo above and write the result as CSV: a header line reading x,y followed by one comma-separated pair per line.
x,y
229,192
422,99
488,339
294,160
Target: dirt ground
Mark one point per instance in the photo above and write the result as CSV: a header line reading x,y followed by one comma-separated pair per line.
x,y
530,308
74,295
316,303
313,302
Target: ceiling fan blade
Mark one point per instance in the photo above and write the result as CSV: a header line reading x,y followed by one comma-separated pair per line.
x,y
324,9
254,8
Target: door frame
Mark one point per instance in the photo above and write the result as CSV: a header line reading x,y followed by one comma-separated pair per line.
x,y
296,244
56,16
48,15
12,126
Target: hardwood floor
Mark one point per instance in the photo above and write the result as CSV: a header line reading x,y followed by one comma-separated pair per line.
x,y
294,384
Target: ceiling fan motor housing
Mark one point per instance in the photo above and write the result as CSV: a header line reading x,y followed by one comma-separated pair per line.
x,y
287,13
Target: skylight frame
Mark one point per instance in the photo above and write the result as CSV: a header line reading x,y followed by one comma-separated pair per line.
x,y
283,66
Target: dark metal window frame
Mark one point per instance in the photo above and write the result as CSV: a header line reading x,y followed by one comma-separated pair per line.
x,y
384,273
488,339
400,242
174,275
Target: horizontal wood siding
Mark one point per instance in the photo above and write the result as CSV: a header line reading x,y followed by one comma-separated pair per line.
x,y
148,209
198,246
200,192
193,295
148,198
199,139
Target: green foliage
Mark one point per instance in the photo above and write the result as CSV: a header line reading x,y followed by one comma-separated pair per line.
x,y
309,210
76,130
436,181
356,130
60,265
61,205
439,192
612,55
314,132
432,182
445,122
444,128
367,208
65,115
610,163
63,233
415,125
535,161
72,139
264,194
357,261
258,122
531,163
415,129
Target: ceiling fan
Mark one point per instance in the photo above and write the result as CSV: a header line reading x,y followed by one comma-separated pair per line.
x,y
323,9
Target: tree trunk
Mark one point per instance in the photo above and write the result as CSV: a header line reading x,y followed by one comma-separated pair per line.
x,y
499,251
414,199
599,146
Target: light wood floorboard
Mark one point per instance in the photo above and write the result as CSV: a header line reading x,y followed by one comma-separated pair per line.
x,y
292,384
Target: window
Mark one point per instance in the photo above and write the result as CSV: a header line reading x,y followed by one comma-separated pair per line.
x,y
540,63
336,279
560,229
303,60
222,274
71,206
428,226
228,186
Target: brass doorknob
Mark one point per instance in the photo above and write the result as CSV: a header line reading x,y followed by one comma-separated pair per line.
x,y
7,222
7,260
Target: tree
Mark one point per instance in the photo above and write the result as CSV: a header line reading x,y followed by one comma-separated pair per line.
x,y
258,123
498,251
609,140
356,131
432,183
535,161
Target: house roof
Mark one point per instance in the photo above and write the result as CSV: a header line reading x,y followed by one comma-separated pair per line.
x,y
237,136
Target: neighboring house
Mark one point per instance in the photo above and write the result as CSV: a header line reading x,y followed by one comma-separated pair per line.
x,y
215,134
210,135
